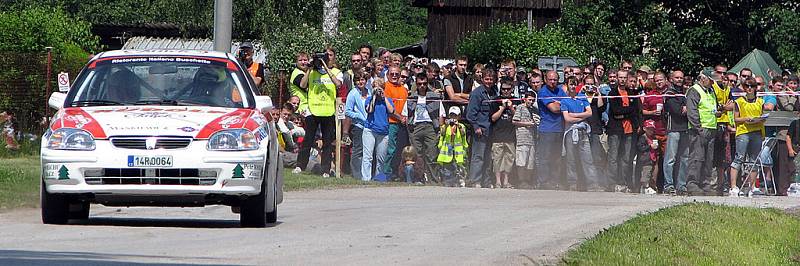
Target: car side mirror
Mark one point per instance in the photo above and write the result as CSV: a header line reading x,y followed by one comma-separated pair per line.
x,y
264,104
56,100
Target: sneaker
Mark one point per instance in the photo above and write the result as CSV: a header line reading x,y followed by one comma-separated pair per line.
x,y
477,186
757,192
670,191
650,191
621,189
461,183
734,192
297,170
325,175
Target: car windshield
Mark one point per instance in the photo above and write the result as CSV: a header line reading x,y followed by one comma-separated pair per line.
x,y
161,81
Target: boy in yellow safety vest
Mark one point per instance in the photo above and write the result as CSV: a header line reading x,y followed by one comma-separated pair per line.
x,y
452,149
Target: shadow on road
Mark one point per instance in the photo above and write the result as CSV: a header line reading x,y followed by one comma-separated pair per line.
x,y
25,257
161,222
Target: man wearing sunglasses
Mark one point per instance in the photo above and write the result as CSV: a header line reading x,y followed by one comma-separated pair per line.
x,y
398,136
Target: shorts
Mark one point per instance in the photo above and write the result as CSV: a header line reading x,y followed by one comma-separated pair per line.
x,y
526,156
503,157
748,146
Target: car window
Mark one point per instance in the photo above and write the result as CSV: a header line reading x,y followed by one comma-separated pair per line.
x,y
161,81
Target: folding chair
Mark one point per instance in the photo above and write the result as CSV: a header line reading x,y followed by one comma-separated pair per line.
x,y
757,165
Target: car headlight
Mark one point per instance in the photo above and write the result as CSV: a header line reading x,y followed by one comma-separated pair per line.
x,y
232,140
71,139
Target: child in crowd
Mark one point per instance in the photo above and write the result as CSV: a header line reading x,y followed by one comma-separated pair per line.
x,y
503,138
409,161
452,149
648,148
526,119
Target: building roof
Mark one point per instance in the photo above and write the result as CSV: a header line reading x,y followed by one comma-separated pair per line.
x,y
525,4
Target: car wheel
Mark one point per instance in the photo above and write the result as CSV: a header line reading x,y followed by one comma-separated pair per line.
x,y
79,211
55,208
253,209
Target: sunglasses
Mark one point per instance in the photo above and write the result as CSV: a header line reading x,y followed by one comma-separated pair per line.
x,y
506,89
394,74
404,76
749,86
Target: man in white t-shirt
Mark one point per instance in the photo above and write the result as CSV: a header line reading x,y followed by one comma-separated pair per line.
x,y
424,110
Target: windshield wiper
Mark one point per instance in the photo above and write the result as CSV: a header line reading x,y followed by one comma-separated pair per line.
x,y
156,102
94,103
168,102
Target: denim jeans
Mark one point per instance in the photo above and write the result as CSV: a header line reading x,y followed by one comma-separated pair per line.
x,y
357,151
580,155
620,159
676,150
599,159
481,152
550,167
408,172
747,148
376,143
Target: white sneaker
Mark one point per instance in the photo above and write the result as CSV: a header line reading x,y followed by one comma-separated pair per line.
x,y
734,192
325,175
620,189
650,191
296,170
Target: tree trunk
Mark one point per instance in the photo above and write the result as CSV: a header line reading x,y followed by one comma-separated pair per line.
x,y
330,23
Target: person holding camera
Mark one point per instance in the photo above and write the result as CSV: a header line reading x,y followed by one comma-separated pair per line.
x,y
452,149
503,137
299,86
255,69
322,84
576,111
376,130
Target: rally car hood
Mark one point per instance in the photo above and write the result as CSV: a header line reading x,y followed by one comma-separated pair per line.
x,y
189,121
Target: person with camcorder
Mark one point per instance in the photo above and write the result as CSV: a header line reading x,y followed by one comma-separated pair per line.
x,y
322,84
245,57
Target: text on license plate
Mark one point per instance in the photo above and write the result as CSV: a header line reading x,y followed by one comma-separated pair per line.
x,y
149,161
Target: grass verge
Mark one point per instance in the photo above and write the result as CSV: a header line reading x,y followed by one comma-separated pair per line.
x,y
19,182
696,234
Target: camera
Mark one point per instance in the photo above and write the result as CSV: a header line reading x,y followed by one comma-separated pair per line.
x,y
317,59
451,121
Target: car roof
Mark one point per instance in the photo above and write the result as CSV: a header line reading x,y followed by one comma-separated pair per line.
x,y
163,52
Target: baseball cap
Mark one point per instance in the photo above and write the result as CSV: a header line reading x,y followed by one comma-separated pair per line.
x,y
521,70
454,110
708,72
645,69
246,45
649,123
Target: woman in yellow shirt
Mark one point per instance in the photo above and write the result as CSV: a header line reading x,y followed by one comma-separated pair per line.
x,y
749,131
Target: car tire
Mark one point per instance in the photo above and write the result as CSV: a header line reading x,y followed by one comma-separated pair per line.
x,y
253,209
272,217
79,211
55,208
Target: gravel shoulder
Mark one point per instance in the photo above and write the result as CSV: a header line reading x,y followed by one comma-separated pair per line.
x,y
382,225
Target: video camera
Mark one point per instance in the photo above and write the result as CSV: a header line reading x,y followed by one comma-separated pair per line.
x,y
317,59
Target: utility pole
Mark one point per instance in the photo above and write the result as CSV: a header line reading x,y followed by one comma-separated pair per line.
x,y
223,25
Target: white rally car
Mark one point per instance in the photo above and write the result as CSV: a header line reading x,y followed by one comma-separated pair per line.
x,y
161,128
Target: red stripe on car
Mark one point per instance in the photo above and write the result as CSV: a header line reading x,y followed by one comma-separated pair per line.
x,y
235,119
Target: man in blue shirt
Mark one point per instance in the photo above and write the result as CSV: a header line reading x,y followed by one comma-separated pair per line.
x,y
355,109
479,116
551,130
576,111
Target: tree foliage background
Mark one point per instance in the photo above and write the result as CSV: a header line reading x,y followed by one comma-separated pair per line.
x,y
666,34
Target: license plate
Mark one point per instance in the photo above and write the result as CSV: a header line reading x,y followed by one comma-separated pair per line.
x,y
149,161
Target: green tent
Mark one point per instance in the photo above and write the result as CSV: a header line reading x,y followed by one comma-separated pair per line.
x,y
760,62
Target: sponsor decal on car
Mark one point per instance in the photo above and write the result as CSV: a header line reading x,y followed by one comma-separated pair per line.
x,y
187,129
235,119
76,117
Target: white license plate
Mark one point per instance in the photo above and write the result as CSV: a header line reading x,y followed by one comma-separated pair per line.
x,y
149,161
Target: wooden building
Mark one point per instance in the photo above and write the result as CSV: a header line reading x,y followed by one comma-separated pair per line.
x,y
451,20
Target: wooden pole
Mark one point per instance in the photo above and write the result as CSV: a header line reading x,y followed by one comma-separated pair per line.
x,y
339,118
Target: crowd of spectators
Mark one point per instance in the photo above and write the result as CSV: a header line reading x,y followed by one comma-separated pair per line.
x,y
597,127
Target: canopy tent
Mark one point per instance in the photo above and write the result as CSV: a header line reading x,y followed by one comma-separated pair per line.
x,y
760,63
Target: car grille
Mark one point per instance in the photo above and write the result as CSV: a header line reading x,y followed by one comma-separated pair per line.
x,y
140,143
150,176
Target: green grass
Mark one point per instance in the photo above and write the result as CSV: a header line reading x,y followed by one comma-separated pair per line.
x,y
19,181
293,182
696,234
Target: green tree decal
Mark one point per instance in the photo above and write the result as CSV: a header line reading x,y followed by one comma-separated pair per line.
x,y
238,171
63,173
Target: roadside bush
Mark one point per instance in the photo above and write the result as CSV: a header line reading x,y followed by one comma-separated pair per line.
x,y
515,41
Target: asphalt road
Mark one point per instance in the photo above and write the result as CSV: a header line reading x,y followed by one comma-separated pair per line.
x,y
367,226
